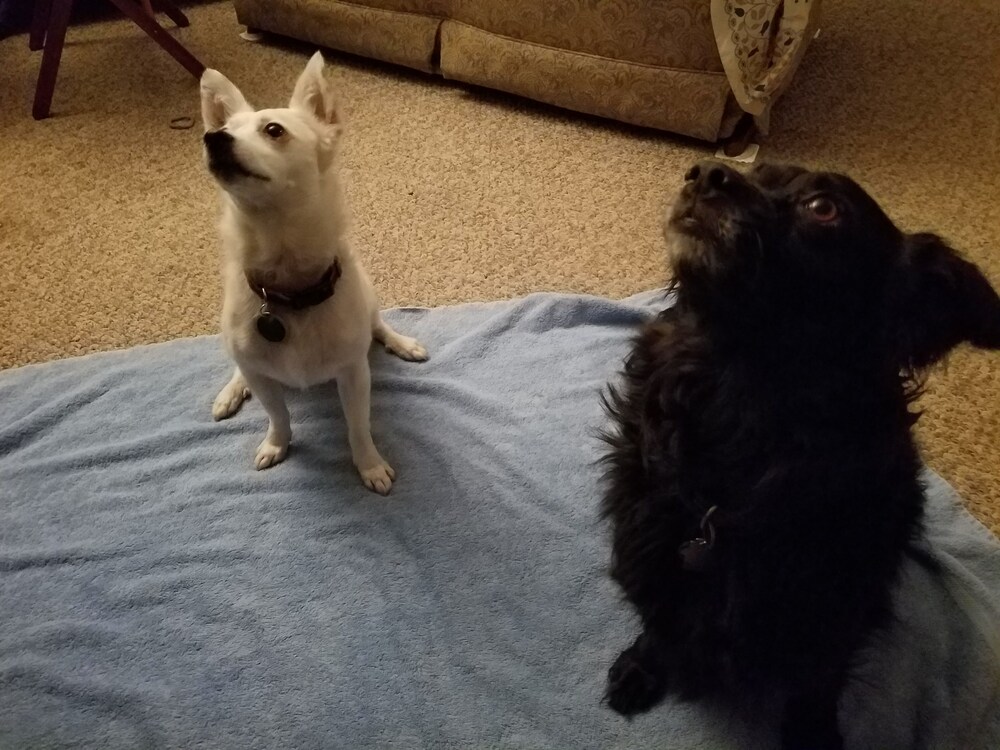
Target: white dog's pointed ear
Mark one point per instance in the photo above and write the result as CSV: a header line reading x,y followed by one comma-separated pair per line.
x,y
313,93
220,99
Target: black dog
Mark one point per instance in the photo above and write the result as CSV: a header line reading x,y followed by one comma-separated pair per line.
x,y
763,482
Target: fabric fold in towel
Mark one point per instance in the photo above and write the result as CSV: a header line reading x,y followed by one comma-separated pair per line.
x,y
158,592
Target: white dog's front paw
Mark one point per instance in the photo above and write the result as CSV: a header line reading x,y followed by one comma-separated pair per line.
x,y
407,348
269,454
378,478
229,401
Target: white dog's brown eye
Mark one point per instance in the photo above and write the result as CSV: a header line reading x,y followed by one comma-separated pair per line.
x,y
822,209
274,130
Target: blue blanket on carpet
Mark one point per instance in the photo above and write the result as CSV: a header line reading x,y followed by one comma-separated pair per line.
x,y
158,592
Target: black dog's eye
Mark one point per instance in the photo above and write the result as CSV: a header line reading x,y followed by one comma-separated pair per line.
x,y
274,130
822,209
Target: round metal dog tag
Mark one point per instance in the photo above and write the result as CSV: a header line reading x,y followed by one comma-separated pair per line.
x,y
270,327
695,554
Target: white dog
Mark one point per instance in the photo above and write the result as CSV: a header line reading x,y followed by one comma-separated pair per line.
x,y
298,307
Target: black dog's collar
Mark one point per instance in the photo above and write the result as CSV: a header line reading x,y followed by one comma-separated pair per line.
x,y
299,299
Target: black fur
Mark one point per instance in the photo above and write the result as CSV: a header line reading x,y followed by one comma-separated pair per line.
x,y
778,388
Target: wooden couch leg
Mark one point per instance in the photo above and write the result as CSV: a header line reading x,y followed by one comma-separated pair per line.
x,y
743,134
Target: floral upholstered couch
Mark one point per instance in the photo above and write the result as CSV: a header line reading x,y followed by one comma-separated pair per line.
x,y
688,66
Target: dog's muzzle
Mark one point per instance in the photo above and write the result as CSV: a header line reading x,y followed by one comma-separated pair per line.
x,y
709,177
219,145
708,186
222,161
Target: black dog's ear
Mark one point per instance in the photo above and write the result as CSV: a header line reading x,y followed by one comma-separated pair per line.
x,y
944,300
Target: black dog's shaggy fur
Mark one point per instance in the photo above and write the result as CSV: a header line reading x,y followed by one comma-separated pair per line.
x,y
777,389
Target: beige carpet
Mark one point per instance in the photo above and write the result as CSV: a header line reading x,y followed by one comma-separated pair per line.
x,y
107,217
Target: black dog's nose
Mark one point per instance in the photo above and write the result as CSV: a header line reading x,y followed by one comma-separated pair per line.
x,y
711,175
218,141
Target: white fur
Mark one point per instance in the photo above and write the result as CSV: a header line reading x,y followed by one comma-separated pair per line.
x,y
286,226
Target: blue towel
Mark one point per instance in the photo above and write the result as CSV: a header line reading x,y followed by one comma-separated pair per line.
x,y
158,592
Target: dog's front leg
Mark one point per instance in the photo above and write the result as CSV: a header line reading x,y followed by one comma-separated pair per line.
x,y
403,347
270,393
354,385
810,719
231,397
638,679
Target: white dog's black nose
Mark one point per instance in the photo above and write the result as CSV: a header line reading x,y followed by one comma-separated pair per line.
x,y
218,142
708,176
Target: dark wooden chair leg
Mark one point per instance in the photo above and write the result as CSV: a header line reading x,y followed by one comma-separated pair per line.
x,y
174,48
48,32
55,37
39,23
153,6
174,13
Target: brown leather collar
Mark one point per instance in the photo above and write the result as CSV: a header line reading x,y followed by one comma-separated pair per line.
x,y
299,299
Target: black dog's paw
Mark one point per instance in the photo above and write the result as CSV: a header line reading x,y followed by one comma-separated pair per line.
x,y
810,730
634,685
811,740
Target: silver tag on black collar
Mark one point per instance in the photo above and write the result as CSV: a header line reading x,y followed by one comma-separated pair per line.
x,y
695,554
270,326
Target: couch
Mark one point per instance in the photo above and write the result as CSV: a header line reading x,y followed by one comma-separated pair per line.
x,y
692,67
